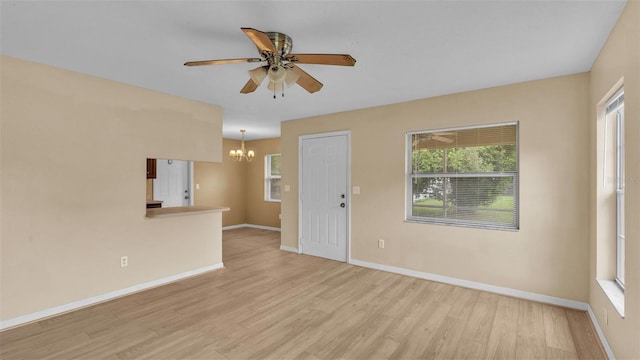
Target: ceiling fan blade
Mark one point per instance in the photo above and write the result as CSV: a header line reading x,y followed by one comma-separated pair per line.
x,y
249,87
443,139
322,59
222,61
305,80
261,39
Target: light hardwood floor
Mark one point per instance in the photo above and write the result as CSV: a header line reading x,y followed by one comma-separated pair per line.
x,y
270,304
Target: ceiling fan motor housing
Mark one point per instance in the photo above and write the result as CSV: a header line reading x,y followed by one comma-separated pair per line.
x,y
281,42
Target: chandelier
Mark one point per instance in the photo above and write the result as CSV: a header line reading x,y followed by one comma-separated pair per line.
x,y
238,155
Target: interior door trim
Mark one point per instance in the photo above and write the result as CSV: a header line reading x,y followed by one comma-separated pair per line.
x,y
301,139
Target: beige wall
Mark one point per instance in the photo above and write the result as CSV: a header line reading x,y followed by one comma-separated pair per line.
x,y
618,60
223,184
549,254
239,186
259,211
73,186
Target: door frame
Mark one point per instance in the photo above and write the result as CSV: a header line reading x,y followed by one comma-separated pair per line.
x,y
301,139
190,179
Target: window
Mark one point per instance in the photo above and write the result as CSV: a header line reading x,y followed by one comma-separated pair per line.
x,y
272,177
614,120
464,176
610,198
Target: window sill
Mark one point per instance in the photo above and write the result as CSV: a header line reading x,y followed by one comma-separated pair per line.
x,y
614,293
459,224
273,201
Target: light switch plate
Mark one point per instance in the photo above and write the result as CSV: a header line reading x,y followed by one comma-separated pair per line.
x,y
355,190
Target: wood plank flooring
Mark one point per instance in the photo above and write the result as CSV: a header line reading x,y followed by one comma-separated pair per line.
x,y
271,304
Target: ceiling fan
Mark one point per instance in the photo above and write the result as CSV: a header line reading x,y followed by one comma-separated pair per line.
x,y
280,68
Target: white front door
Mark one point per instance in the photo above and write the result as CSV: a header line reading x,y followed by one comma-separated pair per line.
x,y
171,184
324,195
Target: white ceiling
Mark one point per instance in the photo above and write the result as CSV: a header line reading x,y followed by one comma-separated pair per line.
x,y
405,50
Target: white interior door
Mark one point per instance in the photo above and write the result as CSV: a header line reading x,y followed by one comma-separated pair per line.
x,y
323,196
172,184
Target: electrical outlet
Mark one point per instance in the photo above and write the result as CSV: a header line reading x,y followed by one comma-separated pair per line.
x,y
124,261
381,244
606,317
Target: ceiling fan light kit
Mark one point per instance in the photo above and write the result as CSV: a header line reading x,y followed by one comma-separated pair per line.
x,y
275,49
291,78
277,73
258,74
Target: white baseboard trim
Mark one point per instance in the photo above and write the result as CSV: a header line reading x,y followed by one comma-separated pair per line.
x,y
57,310
231,227
603,339
261,227
289,248
476,285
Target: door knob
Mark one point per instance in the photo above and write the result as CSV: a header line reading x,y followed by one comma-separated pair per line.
x,y
342,205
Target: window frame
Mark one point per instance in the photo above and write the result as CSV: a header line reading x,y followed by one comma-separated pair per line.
x,y
616,105
268,177
452,221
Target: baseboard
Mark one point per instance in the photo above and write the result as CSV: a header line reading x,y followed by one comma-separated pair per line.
x,y
261,227
289,248
603,339
476,285
24,319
